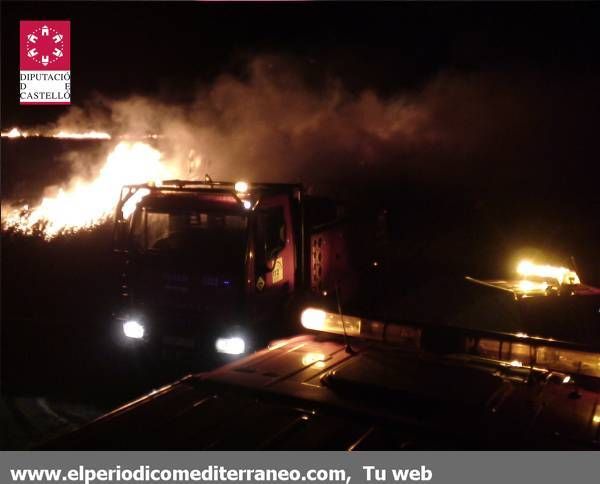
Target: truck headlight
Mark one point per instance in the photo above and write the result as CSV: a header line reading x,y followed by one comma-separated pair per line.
x,y
133,329
231,346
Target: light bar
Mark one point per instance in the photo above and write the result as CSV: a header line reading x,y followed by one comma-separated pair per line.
x,y
539,355
560,274
517,349
531,287
319,320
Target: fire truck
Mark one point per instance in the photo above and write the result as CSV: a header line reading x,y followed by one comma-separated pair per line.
x,y
218,267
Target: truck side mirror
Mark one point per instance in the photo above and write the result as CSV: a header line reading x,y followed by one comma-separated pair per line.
x,y
269,264
272,250
271,235
276,243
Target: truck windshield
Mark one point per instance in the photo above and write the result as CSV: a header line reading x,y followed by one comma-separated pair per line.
x,y
209,235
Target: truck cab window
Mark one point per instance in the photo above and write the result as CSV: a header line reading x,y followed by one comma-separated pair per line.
x,y
138,234
215,237
158,229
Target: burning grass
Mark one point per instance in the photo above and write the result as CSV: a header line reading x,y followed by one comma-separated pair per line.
x,y
85,203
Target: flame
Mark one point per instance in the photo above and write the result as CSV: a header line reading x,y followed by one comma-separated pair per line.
x,y
560,274
129,205
86,135
84,203
17,133
92,134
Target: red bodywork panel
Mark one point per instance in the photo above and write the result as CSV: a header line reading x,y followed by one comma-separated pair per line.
x,y
331,264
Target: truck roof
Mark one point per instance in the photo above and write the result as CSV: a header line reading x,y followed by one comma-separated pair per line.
x,y
185,192
210,186
309,392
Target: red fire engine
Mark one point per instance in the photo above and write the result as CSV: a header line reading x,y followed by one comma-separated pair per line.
x,y
220,266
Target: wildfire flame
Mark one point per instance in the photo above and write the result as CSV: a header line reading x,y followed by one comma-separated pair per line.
x,y
83,203
86,135
75,135
16,133
62,134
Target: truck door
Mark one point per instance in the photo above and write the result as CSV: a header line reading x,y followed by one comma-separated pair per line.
x,y
274,258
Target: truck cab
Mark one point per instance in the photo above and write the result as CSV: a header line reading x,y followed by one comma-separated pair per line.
x,y
206,265
216,266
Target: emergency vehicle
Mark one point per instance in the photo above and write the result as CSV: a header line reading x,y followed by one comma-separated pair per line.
x,y
217,266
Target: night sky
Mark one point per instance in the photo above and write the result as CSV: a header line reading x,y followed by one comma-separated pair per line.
x,y
166,49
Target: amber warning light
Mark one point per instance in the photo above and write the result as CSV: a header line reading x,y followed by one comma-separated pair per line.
x,y
506,349
561,275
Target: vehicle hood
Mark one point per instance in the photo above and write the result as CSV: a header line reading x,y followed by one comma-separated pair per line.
x,y
307,393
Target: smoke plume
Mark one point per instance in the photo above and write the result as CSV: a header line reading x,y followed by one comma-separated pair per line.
x,y
273,125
